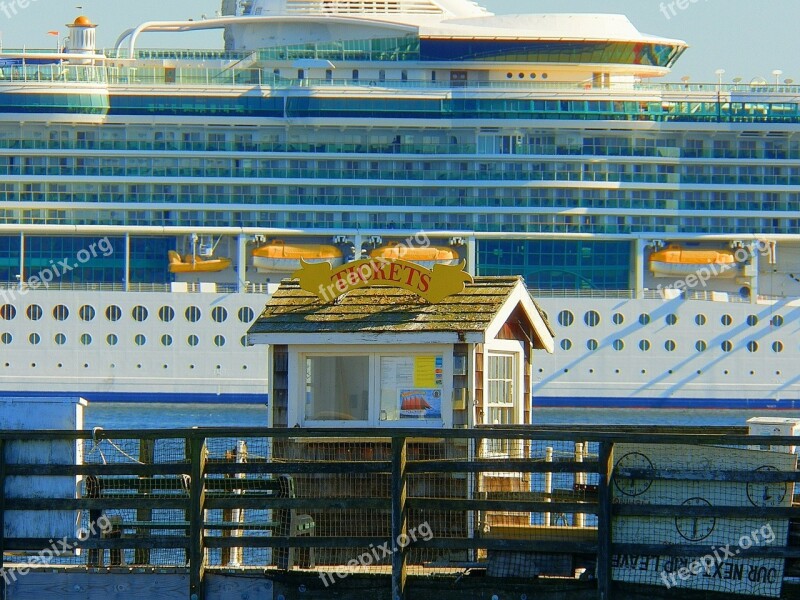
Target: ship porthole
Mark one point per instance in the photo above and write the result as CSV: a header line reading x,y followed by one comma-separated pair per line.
x,y
565,318
113,313
166,314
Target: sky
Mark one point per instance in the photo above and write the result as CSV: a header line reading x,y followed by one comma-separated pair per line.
x,y
747,39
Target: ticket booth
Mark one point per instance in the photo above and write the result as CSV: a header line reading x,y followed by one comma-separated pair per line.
x,y
381,355
398,346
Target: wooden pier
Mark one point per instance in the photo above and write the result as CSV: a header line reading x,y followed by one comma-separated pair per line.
x,y
531,512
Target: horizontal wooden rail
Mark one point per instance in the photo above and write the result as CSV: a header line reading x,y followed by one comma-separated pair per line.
x,y
501,466
695,551
458,504
730,512
713,475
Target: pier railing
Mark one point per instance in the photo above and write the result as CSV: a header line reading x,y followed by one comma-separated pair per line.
x,y
514,504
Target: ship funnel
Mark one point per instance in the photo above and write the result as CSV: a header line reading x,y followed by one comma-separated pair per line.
x,y
82,37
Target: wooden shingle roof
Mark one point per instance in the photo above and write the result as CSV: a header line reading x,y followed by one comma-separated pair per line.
x,y
385,310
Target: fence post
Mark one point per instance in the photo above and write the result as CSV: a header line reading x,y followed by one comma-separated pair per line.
x,y
604,529
548,485
2,517
399,525
197,497
141,556
579,519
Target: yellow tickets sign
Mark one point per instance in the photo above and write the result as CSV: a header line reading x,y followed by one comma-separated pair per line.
x,y
432,284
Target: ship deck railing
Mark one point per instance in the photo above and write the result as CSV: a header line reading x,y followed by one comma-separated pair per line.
x,y
9,289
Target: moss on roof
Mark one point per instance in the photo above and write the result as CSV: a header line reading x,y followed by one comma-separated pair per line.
x,y
385,309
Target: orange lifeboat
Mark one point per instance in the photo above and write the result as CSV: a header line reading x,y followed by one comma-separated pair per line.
x,y
280,257
425,257
676,261
196,264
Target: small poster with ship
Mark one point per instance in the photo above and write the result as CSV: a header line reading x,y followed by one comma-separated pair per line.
x,y
421,404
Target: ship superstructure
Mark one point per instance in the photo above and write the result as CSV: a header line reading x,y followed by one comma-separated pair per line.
x,y
656,223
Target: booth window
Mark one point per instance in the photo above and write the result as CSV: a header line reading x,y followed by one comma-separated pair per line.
x,y
500,398
337,388
374,389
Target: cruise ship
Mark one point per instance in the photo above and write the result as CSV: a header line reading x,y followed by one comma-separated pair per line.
x,y
152,199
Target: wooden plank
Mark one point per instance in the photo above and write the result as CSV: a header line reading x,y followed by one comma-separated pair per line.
x,y
108,586
715,436
99,470
196,518
146,456
546,547
3,516
297,503
399,514
36,544
700,475
46,504
238,587
741,512
604,522
463,504
300,468
501,466
700,550
291,542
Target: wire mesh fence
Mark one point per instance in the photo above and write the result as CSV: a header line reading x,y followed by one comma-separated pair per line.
x,y
513,504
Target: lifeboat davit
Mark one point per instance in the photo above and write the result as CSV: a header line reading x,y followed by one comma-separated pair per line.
x,y
280,257
196,264
425,257
676,261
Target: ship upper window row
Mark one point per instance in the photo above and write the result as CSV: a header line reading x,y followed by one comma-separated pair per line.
x,y
113,313
434,142
439,175
298,107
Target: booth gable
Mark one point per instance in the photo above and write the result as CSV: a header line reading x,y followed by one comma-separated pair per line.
x,y
373,315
